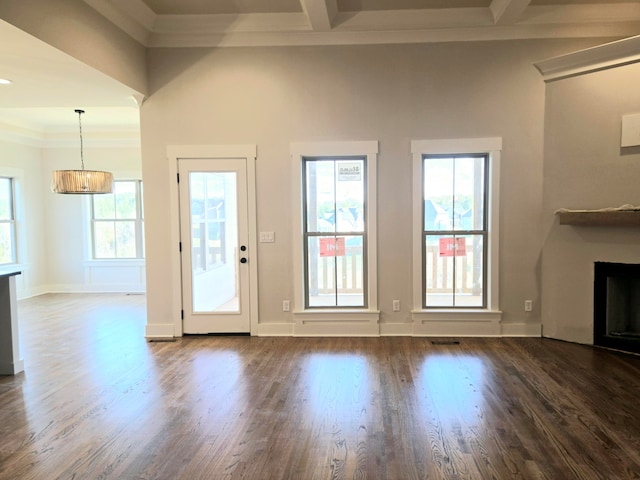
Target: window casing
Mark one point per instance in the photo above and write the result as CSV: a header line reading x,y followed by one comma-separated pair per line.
x,y
339,319
479,227
117,222
335,232
7,221
454,230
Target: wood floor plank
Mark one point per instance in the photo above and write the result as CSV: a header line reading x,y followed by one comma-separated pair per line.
x,y
96,401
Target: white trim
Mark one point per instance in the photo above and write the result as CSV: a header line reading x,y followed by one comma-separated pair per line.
x,y
124,288
609,55
521,329
321,24
336,323
160,331
176,152
449,322
455,323
396,329
352,322
275,329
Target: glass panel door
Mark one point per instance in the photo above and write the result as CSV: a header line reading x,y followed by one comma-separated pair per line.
x,y
214,236
214,241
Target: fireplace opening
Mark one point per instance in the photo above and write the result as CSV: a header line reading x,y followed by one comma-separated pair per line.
x,y
617,306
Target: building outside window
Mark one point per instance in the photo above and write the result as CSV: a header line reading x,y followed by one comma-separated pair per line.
x,y
7,222
117,222
335,231
334,238
456,229
454,224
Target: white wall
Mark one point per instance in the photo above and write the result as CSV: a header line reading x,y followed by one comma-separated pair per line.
x,y
393,94
24,164
77,29
585,168
53,230
69,262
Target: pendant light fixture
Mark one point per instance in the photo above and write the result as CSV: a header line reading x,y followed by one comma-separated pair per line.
x,y
81,181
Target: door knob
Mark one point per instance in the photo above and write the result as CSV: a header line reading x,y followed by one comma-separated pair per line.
x,y
243,260
243,248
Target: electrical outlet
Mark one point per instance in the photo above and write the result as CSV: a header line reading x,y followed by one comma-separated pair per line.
x,y
396,305
286,306
528,305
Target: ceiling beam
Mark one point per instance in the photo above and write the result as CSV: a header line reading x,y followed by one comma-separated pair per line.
x,y
321,13
506,12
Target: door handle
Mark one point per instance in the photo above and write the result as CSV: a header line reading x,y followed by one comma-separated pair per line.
x,y
243,260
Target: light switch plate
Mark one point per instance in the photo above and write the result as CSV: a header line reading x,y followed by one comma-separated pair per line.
x,y
267,237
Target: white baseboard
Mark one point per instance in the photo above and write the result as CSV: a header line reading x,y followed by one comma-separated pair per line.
x,y
31,292
159,331
93,288
521,329
336,323
396,329
329,329
274,330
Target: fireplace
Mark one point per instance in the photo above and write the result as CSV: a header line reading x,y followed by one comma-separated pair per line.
x,y
616,299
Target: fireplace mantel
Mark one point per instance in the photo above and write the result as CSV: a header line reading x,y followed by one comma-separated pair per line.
x,y
600,218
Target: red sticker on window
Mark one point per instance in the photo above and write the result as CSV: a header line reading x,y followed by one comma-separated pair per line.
x,y
453,247
332,247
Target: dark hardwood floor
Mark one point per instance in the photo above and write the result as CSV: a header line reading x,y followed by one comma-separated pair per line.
x,y
99,402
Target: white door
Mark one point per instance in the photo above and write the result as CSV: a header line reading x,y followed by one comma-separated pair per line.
x,y
215,248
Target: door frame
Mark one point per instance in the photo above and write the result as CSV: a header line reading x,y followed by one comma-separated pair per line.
x,y
212,152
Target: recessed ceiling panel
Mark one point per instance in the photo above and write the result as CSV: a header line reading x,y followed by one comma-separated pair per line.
x,y
371,5
211,7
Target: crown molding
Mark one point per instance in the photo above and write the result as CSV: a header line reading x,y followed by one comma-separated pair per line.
x,y
609,55
107,138
465,34
321,24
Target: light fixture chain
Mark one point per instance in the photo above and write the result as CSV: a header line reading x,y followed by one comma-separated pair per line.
x,y
80,112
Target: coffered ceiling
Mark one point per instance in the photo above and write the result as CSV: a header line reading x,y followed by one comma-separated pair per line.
x,y
173,23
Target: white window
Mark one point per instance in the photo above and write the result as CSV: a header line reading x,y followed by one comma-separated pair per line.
x,y
7,222
334,232
454,230
117,222
456,221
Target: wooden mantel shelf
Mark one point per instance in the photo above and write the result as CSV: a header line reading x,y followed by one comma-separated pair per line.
x,y
600,218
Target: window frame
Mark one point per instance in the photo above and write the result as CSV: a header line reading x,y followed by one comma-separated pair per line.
x,y
491,146
307,234
138,225
483,232
357,321
11,221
